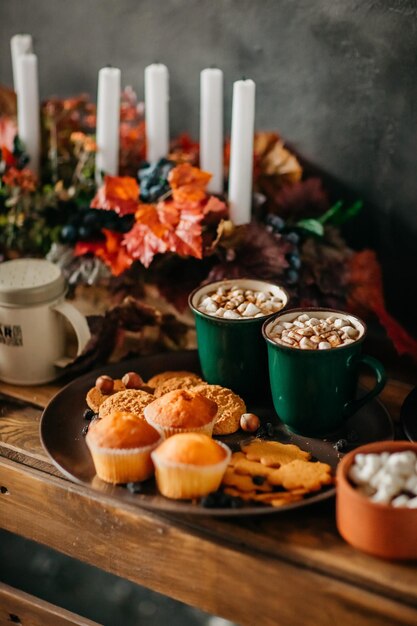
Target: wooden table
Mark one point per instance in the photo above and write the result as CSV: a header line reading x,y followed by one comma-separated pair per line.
x,y
289,569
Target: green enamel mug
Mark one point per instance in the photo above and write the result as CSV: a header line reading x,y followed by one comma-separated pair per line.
x,y
232,352
314,391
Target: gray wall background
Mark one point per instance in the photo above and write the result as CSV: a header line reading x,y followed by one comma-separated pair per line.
x,y
338,78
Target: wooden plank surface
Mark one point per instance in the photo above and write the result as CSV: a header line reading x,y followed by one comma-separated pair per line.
x,y
250,587
18,607
303,543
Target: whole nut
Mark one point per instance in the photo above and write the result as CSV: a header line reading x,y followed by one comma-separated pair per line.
x,y
105,384
132,380
249,422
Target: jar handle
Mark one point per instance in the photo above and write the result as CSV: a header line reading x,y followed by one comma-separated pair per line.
x,y
77,321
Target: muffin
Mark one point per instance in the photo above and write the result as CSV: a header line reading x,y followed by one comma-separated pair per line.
x,y
181,411
121,446
190,465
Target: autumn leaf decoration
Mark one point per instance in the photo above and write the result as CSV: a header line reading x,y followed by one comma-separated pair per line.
x,y
173,224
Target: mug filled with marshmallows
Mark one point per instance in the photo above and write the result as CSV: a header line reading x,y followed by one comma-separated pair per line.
x,y
229,315
314,357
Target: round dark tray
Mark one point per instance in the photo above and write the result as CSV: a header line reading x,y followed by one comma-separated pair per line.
x,y
62,424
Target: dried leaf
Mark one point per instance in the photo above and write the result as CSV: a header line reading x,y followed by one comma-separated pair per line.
x,y
119,194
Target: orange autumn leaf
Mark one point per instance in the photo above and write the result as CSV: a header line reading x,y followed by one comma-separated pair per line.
x,y
188,183
367,294
165,227
119,194
146,237
110,251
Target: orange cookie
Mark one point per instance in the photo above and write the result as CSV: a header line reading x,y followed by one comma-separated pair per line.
x,y
158,379
177,382
131,400
301,475
230,407
274,453
95,397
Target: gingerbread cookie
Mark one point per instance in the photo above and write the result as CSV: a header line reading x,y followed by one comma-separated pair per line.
x,y
95,397
274,453
177,382
230,407
301,475
130,400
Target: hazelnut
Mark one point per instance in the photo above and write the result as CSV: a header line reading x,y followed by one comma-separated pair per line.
x,y
132,380
105,384
249,422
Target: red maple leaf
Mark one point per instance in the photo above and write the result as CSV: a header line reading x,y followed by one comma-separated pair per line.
x,y
367,294
109,250
117,193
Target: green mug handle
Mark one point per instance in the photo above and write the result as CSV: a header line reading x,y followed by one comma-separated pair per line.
x,y
353,406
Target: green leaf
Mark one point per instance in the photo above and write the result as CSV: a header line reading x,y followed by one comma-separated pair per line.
x,y
314,227
348,213
332,212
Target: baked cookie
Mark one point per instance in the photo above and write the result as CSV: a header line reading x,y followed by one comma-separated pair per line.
x,y
158,379
130,400
301,475
177,382
274,453
230,407
241,465
243,483
95,397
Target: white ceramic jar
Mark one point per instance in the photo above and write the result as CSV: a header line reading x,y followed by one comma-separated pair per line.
x,y
32,329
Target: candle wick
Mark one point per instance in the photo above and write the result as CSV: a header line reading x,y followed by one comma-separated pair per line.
x,y
244,77
108,65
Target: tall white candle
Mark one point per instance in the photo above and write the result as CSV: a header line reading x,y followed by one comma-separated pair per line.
x,y
28,112
241,151
156,111
19,44
108,122
211,127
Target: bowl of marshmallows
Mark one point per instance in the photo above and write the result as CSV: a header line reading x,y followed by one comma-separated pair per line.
x,y
376,499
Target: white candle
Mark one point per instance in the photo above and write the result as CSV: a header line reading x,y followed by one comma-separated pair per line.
x,y
28,112
156,111
241,151
19,44
108,122
211,127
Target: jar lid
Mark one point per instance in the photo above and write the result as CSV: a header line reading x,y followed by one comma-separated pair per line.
x,y
24,282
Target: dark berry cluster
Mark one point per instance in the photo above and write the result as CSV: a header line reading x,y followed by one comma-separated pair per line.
x,y
86,224
154,180
277,225
221,500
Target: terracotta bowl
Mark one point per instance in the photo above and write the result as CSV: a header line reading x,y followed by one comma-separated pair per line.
x,y
379,529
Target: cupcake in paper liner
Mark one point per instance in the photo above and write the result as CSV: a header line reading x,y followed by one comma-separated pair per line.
x,y
190,465
181,411
121,446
